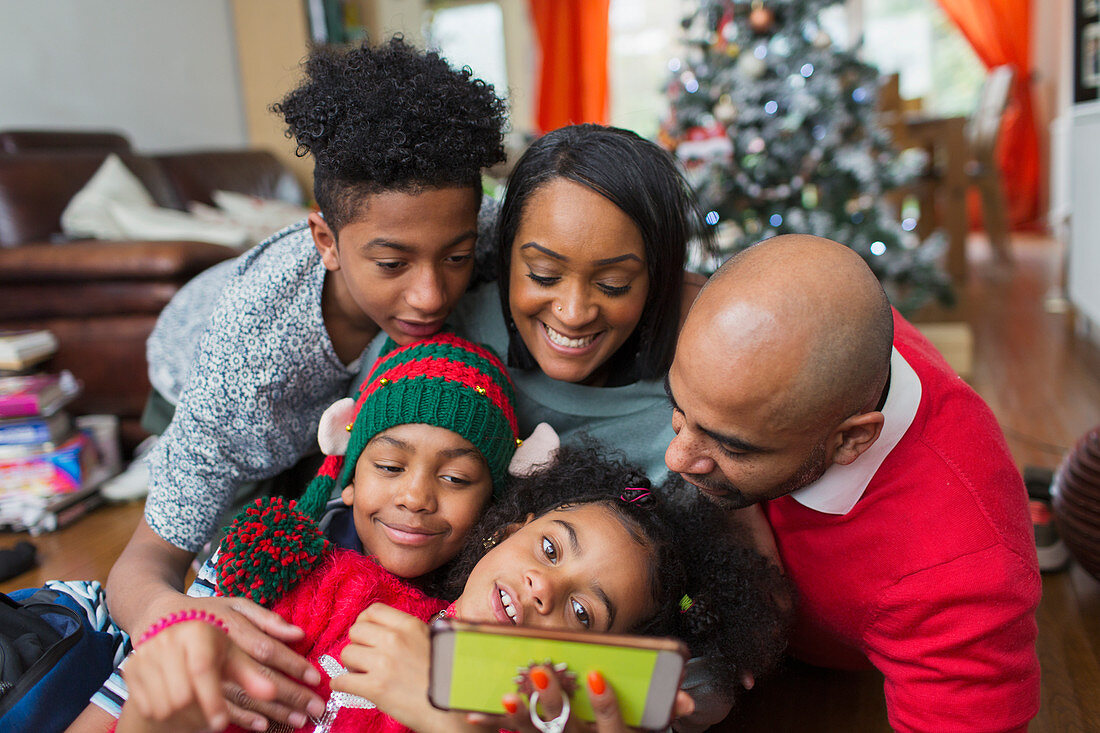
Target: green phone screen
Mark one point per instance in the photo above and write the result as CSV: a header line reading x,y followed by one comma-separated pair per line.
x,y
486,665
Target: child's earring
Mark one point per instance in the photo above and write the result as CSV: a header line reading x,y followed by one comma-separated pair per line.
x,y
493,540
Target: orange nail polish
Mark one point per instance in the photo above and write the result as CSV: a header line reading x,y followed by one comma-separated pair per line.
x,y
540,678
596,683
509,705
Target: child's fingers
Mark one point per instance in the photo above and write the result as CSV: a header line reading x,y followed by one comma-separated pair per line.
x,y
515,715
253,678
683,705
604,704
138,685
208,694
266,648
198,680
151,690
549,692
381,615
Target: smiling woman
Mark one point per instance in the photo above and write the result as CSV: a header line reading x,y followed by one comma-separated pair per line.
x,y
579,284
592,243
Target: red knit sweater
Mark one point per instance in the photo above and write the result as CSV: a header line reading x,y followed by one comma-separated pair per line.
x,y
932,576
325,605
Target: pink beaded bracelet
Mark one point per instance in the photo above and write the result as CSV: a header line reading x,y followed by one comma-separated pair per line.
x,y
179,617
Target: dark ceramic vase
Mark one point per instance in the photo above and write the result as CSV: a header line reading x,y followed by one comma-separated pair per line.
x,y
1075,497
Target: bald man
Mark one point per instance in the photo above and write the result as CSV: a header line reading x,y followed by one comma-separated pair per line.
x,y
895,506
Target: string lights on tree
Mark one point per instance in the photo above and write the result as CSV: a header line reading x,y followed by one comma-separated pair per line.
x,y
775,124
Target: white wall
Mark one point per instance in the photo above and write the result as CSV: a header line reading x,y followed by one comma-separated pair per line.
x,y
164,72
1084,246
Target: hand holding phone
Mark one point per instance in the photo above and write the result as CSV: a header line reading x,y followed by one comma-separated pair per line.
x,y
474,666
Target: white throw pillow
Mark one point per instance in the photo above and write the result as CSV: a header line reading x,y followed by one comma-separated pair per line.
x,y
88,215
156,223
115,205
263,217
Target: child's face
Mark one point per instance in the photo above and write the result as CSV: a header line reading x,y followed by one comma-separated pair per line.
x,y
404,261
417,491
575,568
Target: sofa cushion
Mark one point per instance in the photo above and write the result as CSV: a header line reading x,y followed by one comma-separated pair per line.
x,y
36,187
89,215
93,260
22,141
114,205
256,172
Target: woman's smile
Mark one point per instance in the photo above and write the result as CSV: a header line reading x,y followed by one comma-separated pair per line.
x,y
561,340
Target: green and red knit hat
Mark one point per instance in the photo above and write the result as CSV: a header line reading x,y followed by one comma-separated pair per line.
x,y
445,381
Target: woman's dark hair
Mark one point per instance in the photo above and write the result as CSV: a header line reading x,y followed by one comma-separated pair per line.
x,y
390,117
736,620
643,181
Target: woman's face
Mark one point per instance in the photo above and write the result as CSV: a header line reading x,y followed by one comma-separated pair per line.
x,y
576,568
578,280
417,491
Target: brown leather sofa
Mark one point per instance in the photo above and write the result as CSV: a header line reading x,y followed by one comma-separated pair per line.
x,y
101,298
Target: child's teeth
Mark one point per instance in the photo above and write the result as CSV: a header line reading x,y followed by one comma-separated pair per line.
x,y
561,340
508,607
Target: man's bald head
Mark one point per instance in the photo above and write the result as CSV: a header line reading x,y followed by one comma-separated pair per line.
x,y
811,312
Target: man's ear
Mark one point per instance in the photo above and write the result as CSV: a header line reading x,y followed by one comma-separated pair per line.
x,y
855,435
324,239
348,494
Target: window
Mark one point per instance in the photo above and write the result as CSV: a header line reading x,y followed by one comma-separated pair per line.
x,y
916,40
645,34
471,34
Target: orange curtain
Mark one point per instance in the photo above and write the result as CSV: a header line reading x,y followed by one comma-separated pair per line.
x,y
572,36
1000,32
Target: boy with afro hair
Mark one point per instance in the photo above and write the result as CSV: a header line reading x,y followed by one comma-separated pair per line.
x,y
251,352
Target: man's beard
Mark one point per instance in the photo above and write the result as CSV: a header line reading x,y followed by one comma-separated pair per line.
x,y
729,498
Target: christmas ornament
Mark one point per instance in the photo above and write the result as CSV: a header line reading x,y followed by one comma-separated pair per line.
x,y
761,18
725,111
749,66
705,143
798,138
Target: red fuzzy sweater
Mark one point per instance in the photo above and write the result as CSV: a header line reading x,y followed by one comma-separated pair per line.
x,y
932,575
325,605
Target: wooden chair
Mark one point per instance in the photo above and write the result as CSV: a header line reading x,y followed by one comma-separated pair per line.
x,y
982,132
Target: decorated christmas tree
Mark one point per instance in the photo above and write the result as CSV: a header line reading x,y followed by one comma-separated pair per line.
x,y
775,124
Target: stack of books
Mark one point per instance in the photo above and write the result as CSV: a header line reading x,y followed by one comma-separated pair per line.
x,y
49,470
21,350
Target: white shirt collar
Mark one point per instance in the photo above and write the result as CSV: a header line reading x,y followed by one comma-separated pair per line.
x,y
840,487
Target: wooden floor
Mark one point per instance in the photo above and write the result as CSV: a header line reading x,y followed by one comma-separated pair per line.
x,y
1043,384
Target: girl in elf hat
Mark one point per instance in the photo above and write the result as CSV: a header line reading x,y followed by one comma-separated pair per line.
x,y
414,459
579,543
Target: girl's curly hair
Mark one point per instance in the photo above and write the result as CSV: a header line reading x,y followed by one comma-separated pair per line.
x,y
739,603
390,117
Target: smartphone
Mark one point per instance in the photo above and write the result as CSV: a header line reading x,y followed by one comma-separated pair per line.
x,y
474,665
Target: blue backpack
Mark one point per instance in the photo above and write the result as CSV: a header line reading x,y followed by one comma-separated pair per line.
x,y
51,660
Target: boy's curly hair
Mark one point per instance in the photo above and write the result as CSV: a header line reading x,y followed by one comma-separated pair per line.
x,y
739,603
390,117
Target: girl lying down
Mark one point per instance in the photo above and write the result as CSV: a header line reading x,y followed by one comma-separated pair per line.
x,y
580,543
